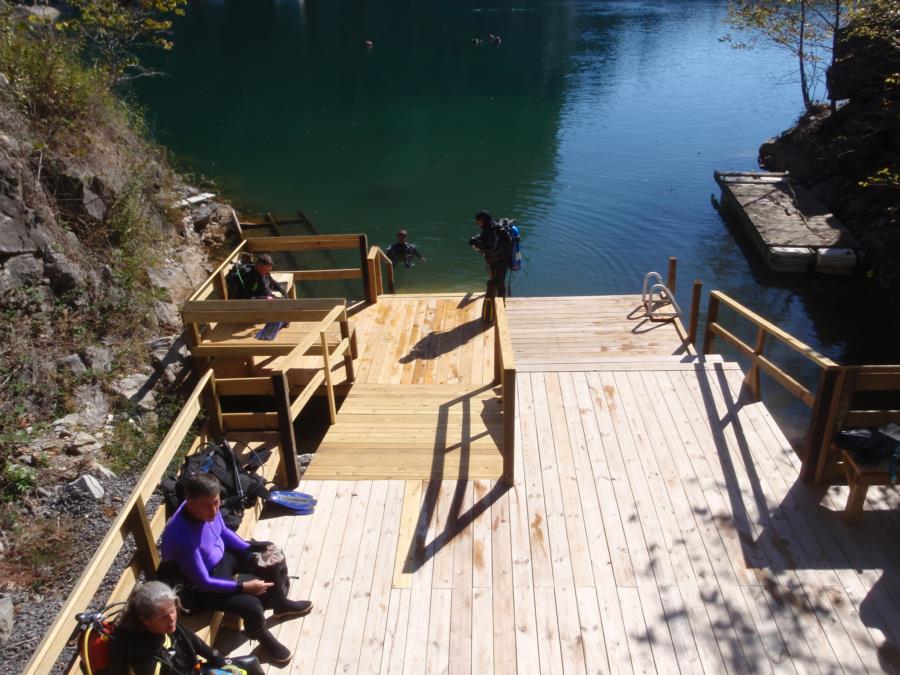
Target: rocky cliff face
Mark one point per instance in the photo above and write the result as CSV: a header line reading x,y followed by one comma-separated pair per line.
x,y
94,263
837,153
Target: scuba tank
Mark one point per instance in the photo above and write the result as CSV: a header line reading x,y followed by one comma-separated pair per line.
x,y
515,251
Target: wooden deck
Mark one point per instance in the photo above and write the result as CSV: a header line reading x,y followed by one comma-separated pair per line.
x,y
656,523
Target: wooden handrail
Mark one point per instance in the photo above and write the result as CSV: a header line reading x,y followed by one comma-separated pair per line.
x,y
505,375
718,297
320,242
373,267
49,649
219,273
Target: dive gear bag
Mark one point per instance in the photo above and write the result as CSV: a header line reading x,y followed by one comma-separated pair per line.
x,y
238,488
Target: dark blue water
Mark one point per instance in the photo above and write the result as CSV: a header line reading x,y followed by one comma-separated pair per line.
x,y
596,124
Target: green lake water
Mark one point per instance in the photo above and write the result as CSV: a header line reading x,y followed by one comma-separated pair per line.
x,y
596,124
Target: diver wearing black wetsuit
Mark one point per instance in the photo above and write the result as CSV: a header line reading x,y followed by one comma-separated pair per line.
x,y
495,248
402,250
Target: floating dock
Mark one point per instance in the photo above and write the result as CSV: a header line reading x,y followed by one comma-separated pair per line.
x,y
792,230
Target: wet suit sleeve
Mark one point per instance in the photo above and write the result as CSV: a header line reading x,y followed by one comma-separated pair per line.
x,y
415,249
193,568
233,542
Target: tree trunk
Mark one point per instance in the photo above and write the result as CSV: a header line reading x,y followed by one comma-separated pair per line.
x,y
834,43
801,55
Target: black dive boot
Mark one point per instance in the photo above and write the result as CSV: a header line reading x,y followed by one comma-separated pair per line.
x,y
277,652
288,609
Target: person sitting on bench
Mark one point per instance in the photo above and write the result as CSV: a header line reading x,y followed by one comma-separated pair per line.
x,y
149,640
215,569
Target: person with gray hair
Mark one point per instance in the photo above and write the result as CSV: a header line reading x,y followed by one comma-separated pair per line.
x,y
149,640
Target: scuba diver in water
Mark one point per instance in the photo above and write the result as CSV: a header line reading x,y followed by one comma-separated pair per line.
x,y
403,251
495,245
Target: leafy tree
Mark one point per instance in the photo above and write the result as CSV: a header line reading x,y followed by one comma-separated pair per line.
x,y
808,29
114,31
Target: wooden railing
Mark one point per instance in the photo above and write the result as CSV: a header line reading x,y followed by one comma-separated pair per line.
x,y
319,315
829,371
133,519
373,271
505,376
325,242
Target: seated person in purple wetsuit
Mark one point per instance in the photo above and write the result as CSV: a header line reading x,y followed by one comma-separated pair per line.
x,y
213,568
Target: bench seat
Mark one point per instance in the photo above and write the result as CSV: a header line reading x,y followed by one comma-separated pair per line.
x,y
859,478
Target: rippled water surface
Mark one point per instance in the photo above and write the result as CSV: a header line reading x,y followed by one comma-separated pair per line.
x,y
596,124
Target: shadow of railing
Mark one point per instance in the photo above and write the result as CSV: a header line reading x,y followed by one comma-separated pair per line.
x,y
810,561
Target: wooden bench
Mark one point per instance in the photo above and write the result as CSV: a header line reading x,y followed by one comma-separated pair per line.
x,y
859,478
866,396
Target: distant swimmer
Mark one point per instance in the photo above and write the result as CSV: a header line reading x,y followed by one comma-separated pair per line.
x,y
369,44
476,41
494,39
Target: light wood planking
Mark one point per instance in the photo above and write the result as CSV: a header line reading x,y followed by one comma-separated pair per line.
x,y
655,522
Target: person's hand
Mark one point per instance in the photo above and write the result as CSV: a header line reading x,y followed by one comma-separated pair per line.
x,y
256,586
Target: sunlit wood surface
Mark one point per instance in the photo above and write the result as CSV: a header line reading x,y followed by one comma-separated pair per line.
x,y
656,523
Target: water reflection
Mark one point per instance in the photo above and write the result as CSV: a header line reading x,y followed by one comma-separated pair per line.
x,y
597,124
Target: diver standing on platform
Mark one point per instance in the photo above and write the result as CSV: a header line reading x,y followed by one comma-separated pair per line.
x,y
495,245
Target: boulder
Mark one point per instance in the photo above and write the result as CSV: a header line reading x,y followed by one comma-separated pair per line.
x,y
87,485
170,357
81,444
92,407
98,471
22,270
167,315
63,274
7,616
99,359
137,389
41,13
71,364
4,81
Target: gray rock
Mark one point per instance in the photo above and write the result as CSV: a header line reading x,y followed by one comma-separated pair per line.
x,y
99,359
7,615
4,81
81,443
149,420
72,364
39,12
64,275
201,216
23,270
304,459
45,493
136,389
88,485
92,406
70,420
98,471
167,315
18,235
171,357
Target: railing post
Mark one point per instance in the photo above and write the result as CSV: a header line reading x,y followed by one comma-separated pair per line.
x,y
752,378
348,354
213,407
329,388
712,315
695,312
498,353
390,276
221,286
509,425
144,542
364,266
821,426
673,265
288,444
